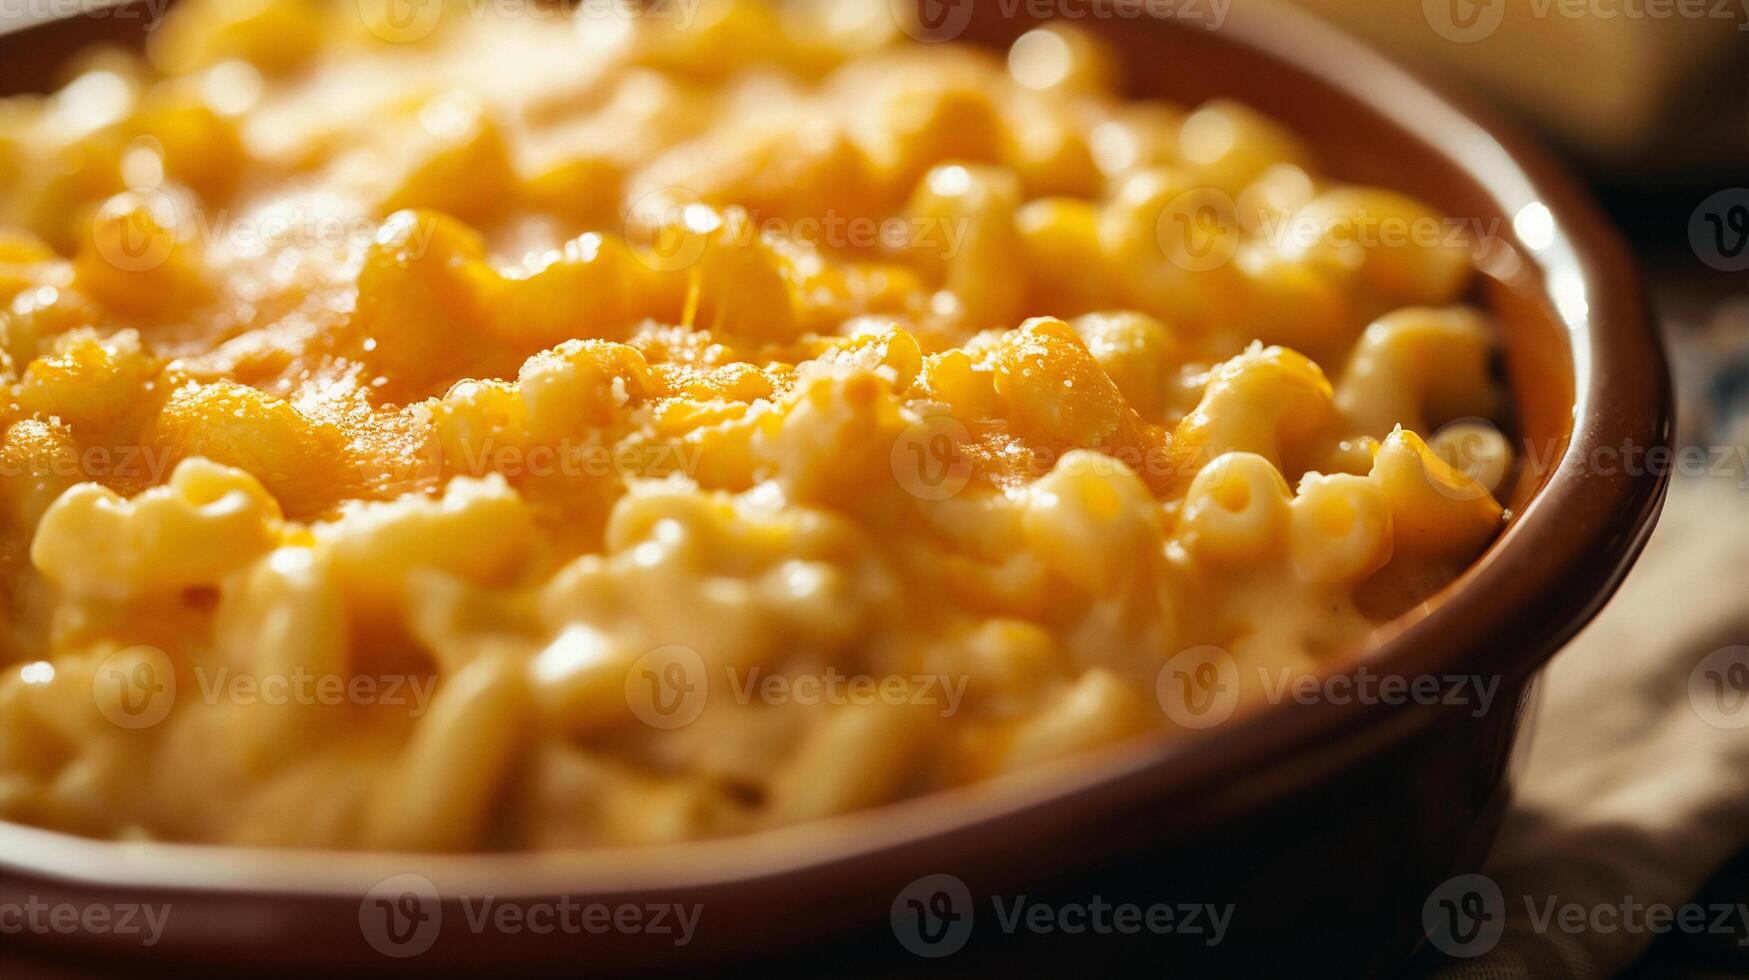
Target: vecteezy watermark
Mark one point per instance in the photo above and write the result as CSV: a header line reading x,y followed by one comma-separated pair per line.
x,y
1466,917
1365,686
1632,459
833,687
1474,447
400,917
1202,687
1365,229
1469,21
413,21
134,687
1715,461
671,228
1718,688
433,460
575,459
926,459
301,686
678,14
146,13
932,916
936,21
1464,21
142,921
929,461
670,686
147,465
403,916
1629,915
1198,688
1719,230
141,230
1200,229
935,915
667,687
1194,231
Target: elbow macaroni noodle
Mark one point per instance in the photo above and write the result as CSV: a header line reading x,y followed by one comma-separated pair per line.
x,y
454,443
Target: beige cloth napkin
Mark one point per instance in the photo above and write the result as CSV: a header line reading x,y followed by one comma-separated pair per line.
x,y
1636,785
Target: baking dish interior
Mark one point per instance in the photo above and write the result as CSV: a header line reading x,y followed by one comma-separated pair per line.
x,y
1567,334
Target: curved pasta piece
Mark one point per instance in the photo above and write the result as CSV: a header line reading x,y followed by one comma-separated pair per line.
x,y
1265,401
1435,509
1341,529
1091,519
1419,366
1236,510
440,796
208,521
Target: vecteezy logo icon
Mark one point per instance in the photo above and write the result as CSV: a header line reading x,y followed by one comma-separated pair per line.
x,y
1719,230
136,231
927,461
667,687
1194,232
1464,21
1199,687
1718,688
1470,446
401,916
401,21
670,228
1737,217
134,688
1465,916
932,21
932,916
146,687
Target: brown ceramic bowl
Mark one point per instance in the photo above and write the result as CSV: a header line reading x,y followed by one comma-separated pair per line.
x,y
1324,824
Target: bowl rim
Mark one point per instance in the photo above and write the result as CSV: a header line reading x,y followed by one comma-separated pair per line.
x,y
1541,581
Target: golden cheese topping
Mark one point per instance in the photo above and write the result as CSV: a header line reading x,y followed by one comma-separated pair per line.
x,y
567,428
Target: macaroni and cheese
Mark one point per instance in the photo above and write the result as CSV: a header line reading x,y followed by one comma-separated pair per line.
x,y
555,428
